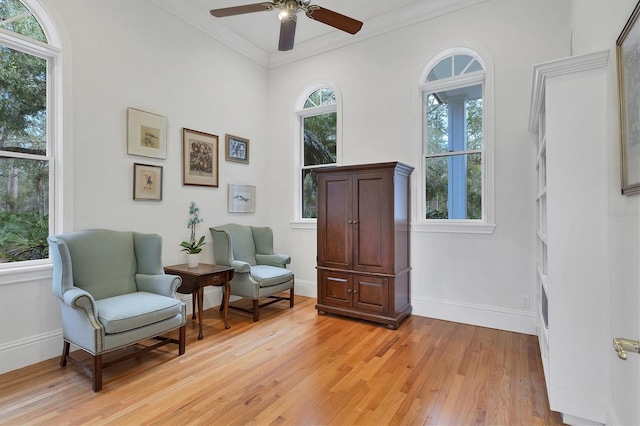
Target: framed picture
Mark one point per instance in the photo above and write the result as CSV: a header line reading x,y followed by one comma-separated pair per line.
x,y
628,56
242,198
146,134
147,182
200,158
237,149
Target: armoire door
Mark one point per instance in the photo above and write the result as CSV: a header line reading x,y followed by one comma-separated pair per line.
x,y
335,222
373,222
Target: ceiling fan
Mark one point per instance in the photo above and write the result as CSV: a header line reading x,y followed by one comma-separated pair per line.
x,y
288,17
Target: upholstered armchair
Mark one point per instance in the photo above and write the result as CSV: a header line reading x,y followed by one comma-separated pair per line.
x,y
113,293
259,272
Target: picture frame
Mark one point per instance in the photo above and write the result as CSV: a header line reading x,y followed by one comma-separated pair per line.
x,y
199,158
628,64
147,182
146,134
237,149
242,198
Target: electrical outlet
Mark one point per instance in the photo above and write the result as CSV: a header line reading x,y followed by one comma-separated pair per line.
x,y
526,302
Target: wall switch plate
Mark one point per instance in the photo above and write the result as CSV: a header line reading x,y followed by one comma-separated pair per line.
x,y
526,302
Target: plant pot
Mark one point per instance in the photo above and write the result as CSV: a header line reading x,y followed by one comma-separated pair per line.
x,y
193,259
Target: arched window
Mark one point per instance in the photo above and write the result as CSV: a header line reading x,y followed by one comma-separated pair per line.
x,y
29,123
318,141
456,160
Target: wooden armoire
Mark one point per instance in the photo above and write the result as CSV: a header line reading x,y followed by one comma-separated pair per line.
x,y
363,242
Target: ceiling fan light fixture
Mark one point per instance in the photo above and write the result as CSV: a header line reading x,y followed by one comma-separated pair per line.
x,y
286,14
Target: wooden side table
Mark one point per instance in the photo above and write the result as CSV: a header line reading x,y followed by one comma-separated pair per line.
x,y
194,280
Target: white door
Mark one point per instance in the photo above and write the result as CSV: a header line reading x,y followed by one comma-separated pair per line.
x,y
625,310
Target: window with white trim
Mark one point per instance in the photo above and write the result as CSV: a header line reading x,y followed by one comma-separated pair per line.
x,y
318,141
27,133
454,142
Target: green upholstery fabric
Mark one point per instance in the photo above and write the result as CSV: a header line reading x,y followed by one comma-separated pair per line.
x,y
268,276
104,260
263,239
242,244
134,310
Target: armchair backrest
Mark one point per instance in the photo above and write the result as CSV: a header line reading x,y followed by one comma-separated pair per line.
x,y
233,242
103,262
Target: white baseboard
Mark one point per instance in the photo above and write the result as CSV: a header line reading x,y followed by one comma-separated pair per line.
x,y
34,349
480,315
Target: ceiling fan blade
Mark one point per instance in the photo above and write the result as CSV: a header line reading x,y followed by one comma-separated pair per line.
x,y
334,19
287,34
239,10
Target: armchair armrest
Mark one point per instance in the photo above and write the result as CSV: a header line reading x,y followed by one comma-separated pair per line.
x,y
240,266
277,260
165,285
79,299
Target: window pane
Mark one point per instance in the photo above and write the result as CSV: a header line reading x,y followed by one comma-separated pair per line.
x,y
319,139
309,194
437,119
454,187
324,96
23,100
454,120
23,23
24,209
441,70
460,63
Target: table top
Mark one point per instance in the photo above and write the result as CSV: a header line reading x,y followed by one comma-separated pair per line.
x,y
202,269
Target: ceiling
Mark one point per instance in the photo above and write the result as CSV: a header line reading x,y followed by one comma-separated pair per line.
x,y
255,35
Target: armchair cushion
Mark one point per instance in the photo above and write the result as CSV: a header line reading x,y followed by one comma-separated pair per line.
x,y
242,243
134,310
268,276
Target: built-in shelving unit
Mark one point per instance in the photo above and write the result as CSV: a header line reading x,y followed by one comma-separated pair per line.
x,y
569,118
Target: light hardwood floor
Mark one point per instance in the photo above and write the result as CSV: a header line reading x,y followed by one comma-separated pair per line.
x,y
296,367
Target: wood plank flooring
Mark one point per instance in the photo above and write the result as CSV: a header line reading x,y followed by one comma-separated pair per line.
x,y
295,367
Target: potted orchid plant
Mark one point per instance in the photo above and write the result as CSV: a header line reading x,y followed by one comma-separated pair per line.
x,y
193,247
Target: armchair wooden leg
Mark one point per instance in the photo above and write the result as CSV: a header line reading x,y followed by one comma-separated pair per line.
x,y
291,298
97,373
256,310
65,352
183,339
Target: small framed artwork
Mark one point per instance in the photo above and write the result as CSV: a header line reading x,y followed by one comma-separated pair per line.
x,y
146,134
147,182
628,57
200,158
242,198
237,149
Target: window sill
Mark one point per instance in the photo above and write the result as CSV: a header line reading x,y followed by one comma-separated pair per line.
x,y
19,273
456,227
303,224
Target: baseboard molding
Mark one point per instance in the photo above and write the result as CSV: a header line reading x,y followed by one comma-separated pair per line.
x,y
34,349
484,316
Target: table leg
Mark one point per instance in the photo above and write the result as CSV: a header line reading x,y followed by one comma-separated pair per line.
x,y
200,303
227,292
194,296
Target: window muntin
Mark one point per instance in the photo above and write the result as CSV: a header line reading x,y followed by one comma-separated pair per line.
x,y
318,120
453,113
26,154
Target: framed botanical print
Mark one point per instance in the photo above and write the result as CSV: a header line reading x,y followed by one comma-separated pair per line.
x,y
237,149
242,198
146,134
147,182
200,158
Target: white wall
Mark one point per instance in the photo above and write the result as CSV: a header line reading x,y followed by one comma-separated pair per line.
x,y
131,54
119,54
479,279
596,26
